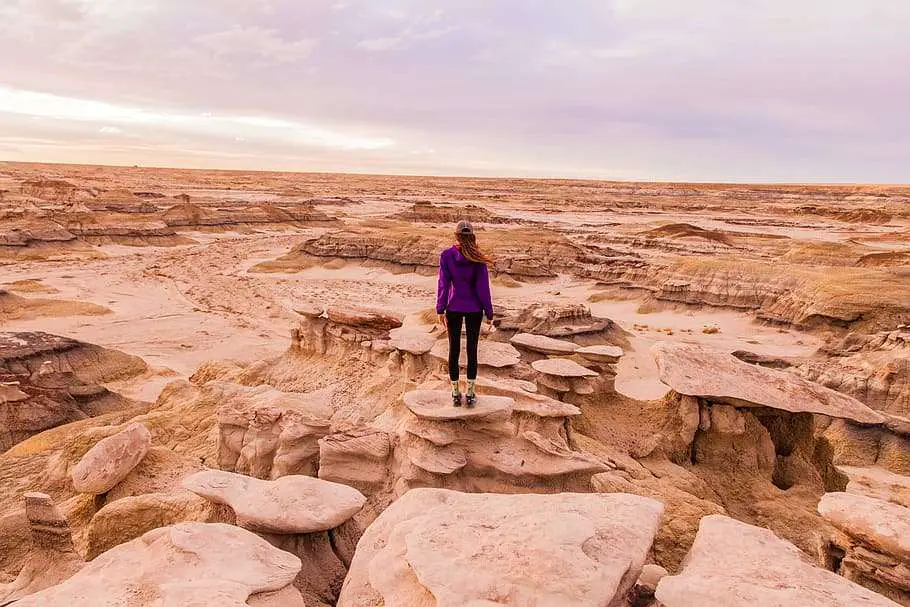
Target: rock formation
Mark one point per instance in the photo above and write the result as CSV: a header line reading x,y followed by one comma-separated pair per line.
x,y
439,547
874,549
46,381
185,564
735,564
111,460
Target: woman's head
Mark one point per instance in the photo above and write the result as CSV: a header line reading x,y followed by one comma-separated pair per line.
x,y
467,242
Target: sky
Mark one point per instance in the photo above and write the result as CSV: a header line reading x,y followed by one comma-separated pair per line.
x,y
674,90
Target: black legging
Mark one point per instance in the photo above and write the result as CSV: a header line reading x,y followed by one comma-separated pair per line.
x,y
472,322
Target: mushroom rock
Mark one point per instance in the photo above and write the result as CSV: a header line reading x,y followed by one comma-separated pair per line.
x,y
719,377
493,354
542,344
496,444
441,547
569,321
562,376
111,460
288,505
185,564
737,565
52,559
363,317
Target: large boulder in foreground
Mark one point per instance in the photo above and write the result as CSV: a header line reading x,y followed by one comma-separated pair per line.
x,y
446,548
737,565
198,564
290,504
713,375
111,460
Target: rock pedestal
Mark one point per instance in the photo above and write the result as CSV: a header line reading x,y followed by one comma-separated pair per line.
x,y
560,377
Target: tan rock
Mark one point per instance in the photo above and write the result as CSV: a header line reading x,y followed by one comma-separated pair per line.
x,y
713,375
439,547
187,564
357,457
493,354
437,405
879,484
737,565
111,460
543,344
290,504
126,519
882,525
413,342
363,317
600,354
561,367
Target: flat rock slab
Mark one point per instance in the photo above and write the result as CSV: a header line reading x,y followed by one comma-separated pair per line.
x,y
416,343
494,354
196,564
737,565
714,375
111,460
288,505
363,317
446,548
878,483
437,405
601,354
879,524
561,367
543,344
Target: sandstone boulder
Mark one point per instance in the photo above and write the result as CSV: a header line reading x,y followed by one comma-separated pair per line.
x,y
600,354
439,547
879,484
200,564
288,505
437,405
710,374
111,460
735,564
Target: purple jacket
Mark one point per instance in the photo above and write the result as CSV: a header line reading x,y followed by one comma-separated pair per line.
x,y
464,285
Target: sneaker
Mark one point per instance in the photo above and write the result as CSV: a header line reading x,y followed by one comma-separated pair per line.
x,y
456,399
471,400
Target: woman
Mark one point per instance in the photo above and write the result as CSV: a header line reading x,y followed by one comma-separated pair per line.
x,y
463,294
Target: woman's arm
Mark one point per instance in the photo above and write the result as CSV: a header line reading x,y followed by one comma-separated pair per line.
x,y
442,286
483,291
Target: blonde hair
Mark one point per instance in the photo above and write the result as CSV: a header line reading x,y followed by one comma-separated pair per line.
x,y
470,250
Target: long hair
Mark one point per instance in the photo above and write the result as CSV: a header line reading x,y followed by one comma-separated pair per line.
x,y
469,248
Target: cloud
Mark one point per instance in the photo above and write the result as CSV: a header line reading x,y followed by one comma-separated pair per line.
x,y
249,42
706,90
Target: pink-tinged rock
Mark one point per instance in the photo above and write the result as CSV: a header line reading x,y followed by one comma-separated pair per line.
x,y
437,405
446,549
543,344
699,371
601,354
882,525
111,460
289,505
562,367
878,483
189,564
737,565
494,354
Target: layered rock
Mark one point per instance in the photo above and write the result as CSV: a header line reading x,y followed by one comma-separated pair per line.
x,y
266,433
735,564
488,447
543,345
442,547
52,559
338,330
428,212
185,564
563,377
875,550
572,322
874,369
47,380
199,217
879,484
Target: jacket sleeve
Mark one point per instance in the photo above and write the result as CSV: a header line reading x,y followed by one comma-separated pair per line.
x,y
483,291
443,286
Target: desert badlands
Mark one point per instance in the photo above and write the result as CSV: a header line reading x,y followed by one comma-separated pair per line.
x,y
227,388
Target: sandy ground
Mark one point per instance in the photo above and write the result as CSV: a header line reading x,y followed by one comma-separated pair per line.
x,y
180,306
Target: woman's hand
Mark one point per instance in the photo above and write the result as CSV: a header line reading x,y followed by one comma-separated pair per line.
x,y
441,321
491,328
